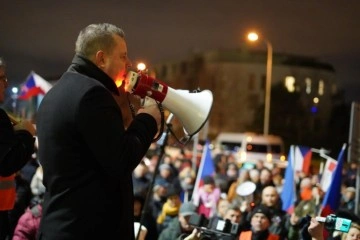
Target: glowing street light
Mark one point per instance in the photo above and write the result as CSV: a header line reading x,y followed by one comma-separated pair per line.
x,y
141,66
252,36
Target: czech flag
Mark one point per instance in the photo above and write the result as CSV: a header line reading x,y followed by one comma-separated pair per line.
x,y
33,86
302,159
331,201
206,168
288,195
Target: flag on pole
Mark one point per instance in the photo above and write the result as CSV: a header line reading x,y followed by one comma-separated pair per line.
x,y
288,195
206,168
302,159
33,86
327,174
331,201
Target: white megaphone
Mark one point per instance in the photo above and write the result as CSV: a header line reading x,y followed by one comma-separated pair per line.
x,y
192,109
246,190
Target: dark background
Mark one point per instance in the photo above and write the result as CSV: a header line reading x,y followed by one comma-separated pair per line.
x,y
40,35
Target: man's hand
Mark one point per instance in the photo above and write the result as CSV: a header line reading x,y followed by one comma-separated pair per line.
x,y
316,229
25,125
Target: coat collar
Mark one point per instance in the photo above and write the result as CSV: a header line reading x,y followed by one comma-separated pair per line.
x,y
84,66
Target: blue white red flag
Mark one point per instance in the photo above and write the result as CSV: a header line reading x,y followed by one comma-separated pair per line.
x,y
331,201
288,195
206,168
33,86
302,159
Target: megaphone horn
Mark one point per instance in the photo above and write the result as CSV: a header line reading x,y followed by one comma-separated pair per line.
x,y
192,109
246,188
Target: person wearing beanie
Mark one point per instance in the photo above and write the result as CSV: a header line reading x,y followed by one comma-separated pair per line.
x,y
179,227
260,222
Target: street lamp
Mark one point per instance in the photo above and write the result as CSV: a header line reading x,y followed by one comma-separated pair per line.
x,y
252,36
14,96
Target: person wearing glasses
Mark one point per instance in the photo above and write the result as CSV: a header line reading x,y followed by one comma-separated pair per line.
x,y
16,148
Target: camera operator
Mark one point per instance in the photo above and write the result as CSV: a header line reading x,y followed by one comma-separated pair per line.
x,y
179,227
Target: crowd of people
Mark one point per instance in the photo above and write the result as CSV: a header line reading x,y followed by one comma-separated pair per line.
x,y
219,198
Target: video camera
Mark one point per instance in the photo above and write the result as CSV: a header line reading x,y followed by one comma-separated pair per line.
x,y
209,230
334,223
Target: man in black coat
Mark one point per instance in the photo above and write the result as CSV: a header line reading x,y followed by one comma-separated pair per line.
x,y
86,152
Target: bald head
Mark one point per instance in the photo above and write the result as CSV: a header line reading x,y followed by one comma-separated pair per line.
x,y
270,196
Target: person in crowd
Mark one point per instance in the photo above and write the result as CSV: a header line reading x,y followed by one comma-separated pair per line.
x,y
351,173
305,189
254,175
179,227
22,201
353,234
265,180
166,173
234,214
140,179
278,181
141,214
232,174
220,177
348,199
170,209
187,180
88,148
279,222
222,205
168,159
231,194
307,207
207,197
27,227
16,148
260,221
158,197
259,165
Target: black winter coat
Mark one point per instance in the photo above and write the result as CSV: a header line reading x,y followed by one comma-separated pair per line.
x,y
88,157
16,147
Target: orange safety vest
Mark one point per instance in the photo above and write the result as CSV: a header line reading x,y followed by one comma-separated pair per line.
x,y
7,193
247,236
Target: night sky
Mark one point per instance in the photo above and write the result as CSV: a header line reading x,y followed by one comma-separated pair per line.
x,y
39,35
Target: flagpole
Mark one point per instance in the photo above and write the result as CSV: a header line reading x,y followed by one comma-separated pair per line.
x,y
194,156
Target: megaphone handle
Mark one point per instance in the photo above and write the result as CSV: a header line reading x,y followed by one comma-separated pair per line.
x,y
162,122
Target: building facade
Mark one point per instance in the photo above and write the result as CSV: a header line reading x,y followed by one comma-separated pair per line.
x,y
237,79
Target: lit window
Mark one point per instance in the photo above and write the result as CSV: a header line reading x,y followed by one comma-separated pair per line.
x,y
321,87
308,85
290,83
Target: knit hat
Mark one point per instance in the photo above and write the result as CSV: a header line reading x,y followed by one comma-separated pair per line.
x,y
263,210
208,180
165,166
187,209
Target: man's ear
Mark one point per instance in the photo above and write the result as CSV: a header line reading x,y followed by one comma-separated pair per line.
x,y
100,59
